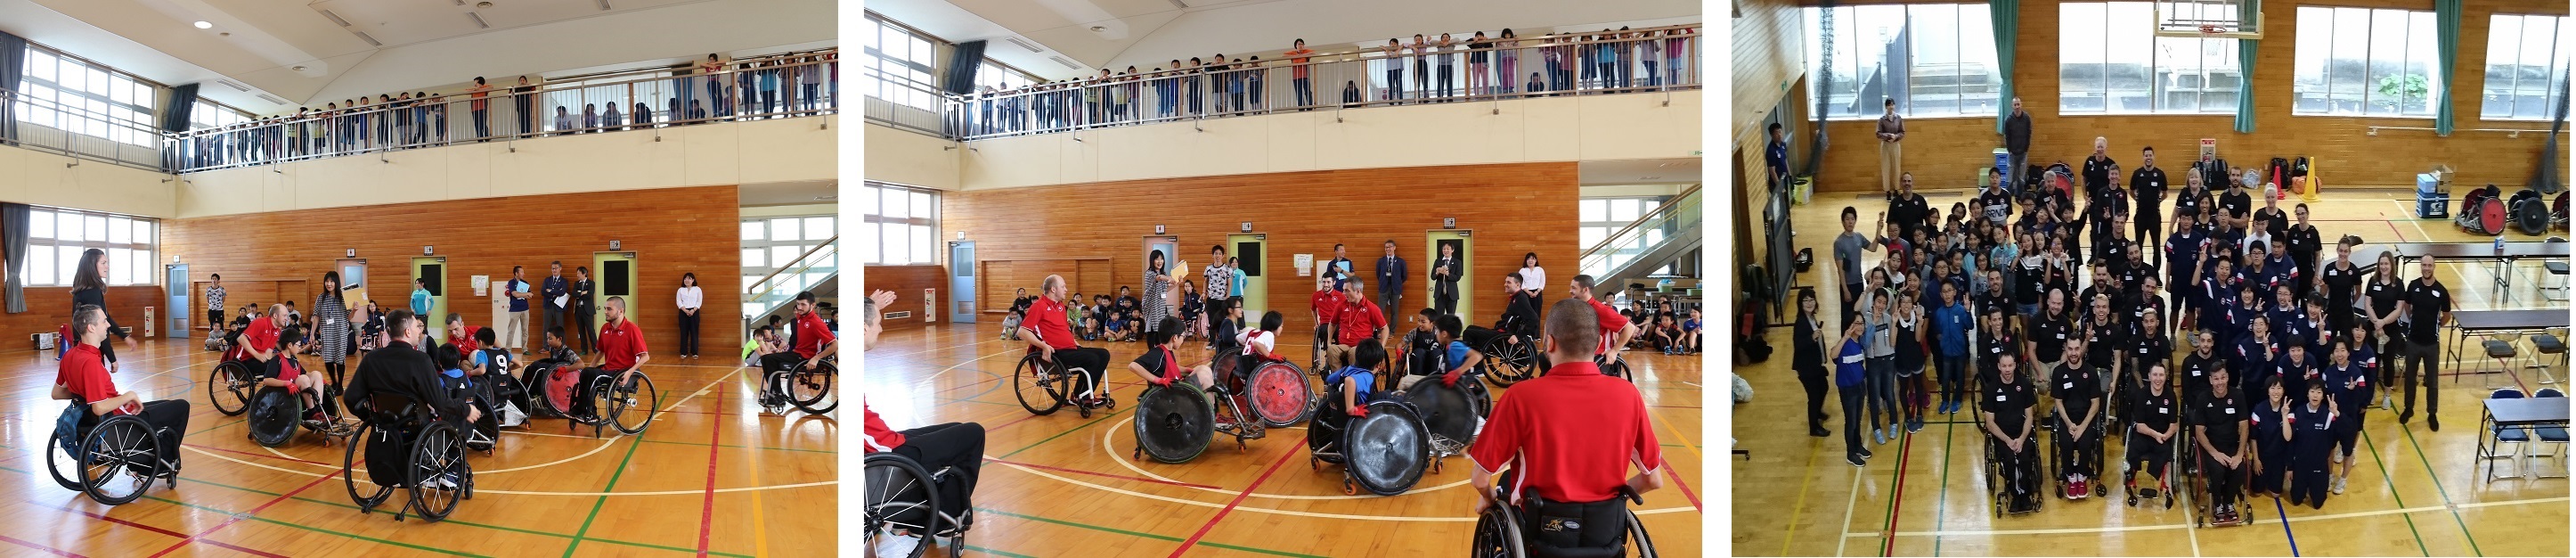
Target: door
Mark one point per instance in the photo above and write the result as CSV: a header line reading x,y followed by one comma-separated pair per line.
x,y
431,271
1170,246
179,289
1247,250
1463,244
353,283
616,278
961,282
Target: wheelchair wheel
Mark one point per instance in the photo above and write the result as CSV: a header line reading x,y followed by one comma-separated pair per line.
x,y
64,463
349,456
1512,362
1042,386
1174,423
1498,534
1447,412
807,389
435,483
273,416
119,459
1280,395
1387,451
630,405
1637,537
229,387
901,507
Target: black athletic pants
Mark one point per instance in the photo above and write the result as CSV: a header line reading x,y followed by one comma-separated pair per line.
x,y
169,420
2424,355
2147,223
1092,361
957,445
1814,381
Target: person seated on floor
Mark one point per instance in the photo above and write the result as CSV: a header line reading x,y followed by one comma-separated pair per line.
x,y
1689,339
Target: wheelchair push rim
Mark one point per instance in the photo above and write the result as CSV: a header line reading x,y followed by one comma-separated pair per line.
x,y
890,481
349,473
230,381
808,388
1174,423
1498,534
438,457
118,460
630,405
1280,395
1040,390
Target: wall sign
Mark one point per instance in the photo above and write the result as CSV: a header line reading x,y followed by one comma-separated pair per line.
x,y
1304,264
1449,222
1247,226
1158,229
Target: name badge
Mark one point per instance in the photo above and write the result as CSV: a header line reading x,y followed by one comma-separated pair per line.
x,y
2164,409
2231,410
1999,398
2070,385
2061,336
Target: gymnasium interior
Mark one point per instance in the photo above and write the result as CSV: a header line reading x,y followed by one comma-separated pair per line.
x,y
191,139
2404,112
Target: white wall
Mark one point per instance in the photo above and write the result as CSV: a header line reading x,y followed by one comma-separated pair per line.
x,y
910,158
788,149
40,178
1586,128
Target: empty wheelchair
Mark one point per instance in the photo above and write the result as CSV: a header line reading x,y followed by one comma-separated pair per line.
x,y
1384,452
112,459
908,508
1537,527
407,448
1043,386
808,389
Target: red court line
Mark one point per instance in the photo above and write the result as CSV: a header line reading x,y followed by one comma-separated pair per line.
x,y
1896,501
220,544
211,448
47,549
1677,481
1674,406
2392,229
117,521
1104,475
1229,506
707,513
989,431
248,514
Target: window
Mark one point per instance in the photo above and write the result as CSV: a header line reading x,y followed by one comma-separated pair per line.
x,y
1000,77
899,64
2111,61
905,223
57,237
66,93
774,244
2364,62
2527,60
1933,59
210,115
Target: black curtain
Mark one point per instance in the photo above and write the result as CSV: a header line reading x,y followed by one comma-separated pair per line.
x,y
962,63
13,237
13,66
175,115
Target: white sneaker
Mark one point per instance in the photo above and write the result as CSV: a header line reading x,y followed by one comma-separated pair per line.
x,y
2338,485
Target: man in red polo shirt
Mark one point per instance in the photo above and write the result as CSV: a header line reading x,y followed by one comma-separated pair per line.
x,y
1615,330
1046,332
1569,435
1326,304
1357,320
83,374
812,336
621,348
259,341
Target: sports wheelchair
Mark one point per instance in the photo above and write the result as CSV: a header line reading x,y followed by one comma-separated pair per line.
x,y
1277,390
905,512
234,380
625,401
2059,467
1510,358
805,388
2015,492
1452,414
277,412
1384,452
410,448
1537,527
1043,386
113,459
2205,506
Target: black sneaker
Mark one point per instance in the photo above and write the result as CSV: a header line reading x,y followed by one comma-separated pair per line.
x,y
1857,460
2433,421
1865,453
1818,431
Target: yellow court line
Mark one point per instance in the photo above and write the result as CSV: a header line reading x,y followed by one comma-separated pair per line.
x,y
1806,481
1288,512
1677,434
759,519
2128,528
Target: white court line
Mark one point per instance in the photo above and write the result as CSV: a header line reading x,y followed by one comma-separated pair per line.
x,y
1285,512
1113,452
1847,512
937,349
2188,510
2195,538
934,376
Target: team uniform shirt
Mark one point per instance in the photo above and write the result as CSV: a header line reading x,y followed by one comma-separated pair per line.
x,y
879,437
2384,297
620,342
1569,435
2146,348
1256,342
2148,186
2181,249
2426,301
2102,340
2195,374
2296,371
261,336
2254,357
2341,281
2224,416
2007,401
2311,436
2050,335
1159,362
811,335
1359,321
1849,365
1997,346
2348,386
1952,324
1327,306
2235,203
1047,318
2155,411
286,369
1611,323
83,373
2076,386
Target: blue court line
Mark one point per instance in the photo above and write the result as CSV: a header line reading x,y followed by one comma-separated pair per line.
x,y
2285,525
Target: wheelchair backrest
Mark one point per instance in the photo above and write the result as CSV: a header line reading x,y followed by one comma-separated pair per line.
x,y
389,409
1574,529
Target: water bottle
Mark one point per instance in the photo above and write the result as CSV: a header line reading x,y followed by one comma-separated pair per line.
x,y
2499,244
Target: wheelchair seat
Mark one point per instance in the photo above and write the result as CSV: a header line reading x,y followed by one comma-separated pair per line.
x,y
1536,527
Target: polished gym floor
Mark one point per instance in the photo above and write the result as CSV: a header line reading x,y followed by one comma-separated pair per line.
x,y
2414,492
710,476
1063,485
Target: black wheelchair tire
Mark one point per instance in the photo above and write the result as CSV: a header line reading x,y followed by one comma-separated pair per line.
x,y
1031,374
1498,534
230,378
123,427
437,438
269,427
1637,537
637,388
349,474
1197,438
821,401
875,519
56,458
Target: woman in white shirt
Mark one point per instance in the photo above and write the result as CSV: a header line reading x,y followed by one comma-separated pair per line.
x,y
692,299
1534,277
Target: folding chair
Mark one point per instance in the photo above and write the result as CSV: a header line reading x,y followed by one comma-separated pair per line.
x,y
2516,435
2556,435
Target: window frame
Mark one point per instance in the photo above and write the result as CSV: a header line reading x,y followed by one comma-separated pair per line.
x,y
1905,105
919,222
96,109
2556,68
2159,92
2308,27
140,249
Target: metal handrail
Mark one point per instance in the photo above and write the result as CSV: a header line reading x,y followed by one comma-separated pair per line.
x,y
1668,206
833,243
17,137
1607,254
1166,95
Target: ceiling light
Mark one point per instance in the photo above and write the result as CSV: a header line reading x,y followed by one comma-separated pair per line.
x,y
1099,28
204,25
483,4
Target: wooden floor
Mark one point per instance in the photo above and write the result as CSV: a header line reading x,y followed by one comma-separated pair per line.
x,y
1061,485
2414,493
710,477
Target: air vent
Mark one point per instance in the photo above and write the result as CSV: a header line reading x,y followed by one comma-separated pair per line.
x,y
235,86
335,18
897,315
362,35
1066,63
478,20
1023,44
1178,5
272,99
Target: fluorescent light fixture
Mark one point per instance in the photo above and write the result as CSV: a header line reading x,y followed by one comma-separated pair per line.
x,y
204,25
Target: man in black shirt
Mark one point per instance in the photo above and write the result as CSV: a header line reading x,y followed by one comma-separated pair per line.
x,y
401,368
2427,305
2077,387
2237,206
2098,168
2303,244
2007,406
2147,186
2197,364
1909,210
2151,437
2048,334
1998,345
2220,436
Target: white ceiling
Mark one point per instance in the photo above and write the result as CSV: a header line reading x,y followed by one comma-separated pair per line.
x,y
1147,32
419,44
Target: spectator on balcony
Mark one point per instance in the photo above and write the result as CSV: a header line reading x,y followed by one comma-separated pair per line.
x,y
1218,79
1676,43
1300,76
1480,64
1350,94
1535,85
482,116
438,116
697,111
747,86
1394,54
612,119
1448,67
1234,79
810,77
590,117
1648,53
526,97
1891,152
708,72
1253,80
643,115
563,120
1506,55
1421,66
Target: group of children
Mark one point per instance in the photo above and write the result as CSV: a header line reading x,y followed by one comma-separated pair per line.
x,y
1669,328
1105,319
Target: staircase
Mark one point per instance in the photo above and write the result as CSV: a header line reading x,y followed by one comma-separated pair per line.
x,y
818,270
1655,239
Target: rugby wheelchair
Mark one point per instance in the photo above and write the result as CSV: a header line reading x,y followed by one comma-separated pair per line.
x,y
113,459
624,401
1174,422
1384,452
1043,386
2058,464
277,412
806,389
2014,492
1537,527
409,448
907,507
1453,415
234,380
1510,358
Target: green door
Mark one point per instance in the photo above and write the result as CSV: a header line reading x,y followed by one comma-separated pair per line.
x,y
1464,244
615,272
432,273
1247,249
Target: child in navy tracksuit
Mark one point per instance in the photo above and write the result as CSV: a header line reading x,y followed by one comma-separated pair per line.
x,y
2310,429
1850,380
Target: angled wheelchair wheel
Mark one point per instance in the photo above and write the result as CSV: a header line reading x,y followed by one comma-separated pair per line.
x,y
375,492
1174,423
436,478
1511,362
1446,411
1042,386
1498,534
273,416
630,402
119,459
901,507
809,389
1387,451
537,377
1280,395
230,386
64,463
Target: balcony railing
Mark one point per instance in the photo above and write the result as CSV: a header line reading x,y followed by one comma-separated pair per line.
x,y
767,294
79,132
1662,224
1549,65
803,84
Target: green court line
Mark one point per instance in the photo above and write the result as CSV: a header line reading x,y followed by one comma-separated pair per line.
x,y
2437,488
365,538
701,444
603,500
2391,480
1140,535
996,552
1941,506
211,428
1067,431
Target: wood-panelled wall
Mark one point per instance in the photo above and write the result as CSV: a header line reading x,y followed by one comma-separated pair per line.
x,y
906,281
1004,278
1945,152
671,230
1769,69
1513,209
48,308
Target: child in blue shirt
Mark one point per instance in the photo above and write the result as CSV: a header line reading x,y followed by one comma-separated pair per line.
x,y
1360,378
1455,357
1850,375
1690,333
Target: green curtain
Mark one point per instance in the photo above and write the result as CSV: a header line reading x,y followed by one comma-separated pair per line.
x,y
2245,49
2446,26
2007,19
